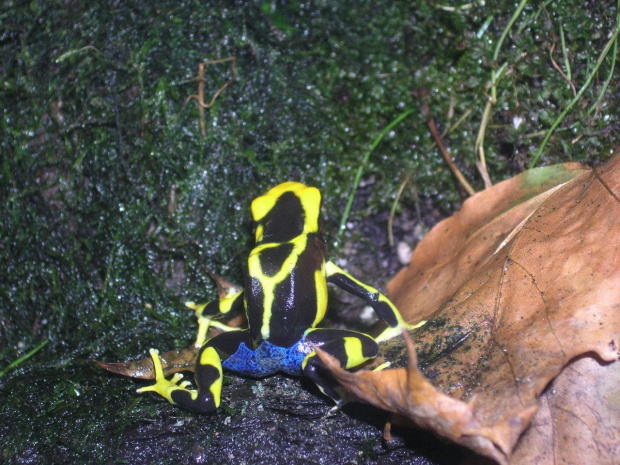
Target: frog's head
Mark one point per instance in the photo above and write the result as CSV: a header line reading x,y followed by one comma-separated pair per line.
x,y
286,211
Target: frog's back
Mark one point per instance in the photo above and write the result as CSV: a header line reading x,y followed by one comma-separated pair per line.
x,y
286,290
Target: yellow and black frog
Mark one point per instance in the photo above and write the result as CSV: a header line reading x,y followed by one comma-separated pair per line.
x,y
285,298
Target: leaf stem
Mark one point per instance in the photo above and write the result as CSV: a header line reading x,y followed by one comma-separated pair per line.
x,y
611,68
565,55
360,169
23,358
514,17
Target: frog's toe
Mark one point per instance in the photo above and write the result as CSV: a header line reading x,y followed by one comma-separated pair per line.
x,y
416,325
152,388
394,331
144,389
163,387
383,366
336,408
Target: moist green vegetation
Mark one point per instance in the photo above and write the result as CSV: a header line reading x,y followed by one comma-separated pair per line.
x,y
115,204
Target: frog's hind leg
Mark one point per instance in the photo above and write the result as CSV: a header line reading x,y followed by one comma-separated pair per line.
x,y
349,347
206,398
208,375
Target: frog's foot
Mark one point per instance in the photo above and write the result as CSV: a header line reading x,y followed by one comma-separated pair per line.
x,y
392,332
334,410
315,370
162,386
208,376
338,395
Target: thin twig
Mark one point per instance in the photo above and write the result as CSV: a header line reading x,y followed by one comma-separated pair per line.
x,y
458,122
70,53
557,67
200,96
446,156
393,209
565,55
481,164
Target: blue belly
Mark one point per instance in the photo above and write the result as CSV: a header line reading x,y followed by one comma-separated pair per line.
x,y
268,359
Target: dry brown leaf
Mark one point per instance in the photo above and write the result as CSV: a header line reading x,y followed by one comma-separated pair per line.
x,y
457,247
173,361
578,420
522,296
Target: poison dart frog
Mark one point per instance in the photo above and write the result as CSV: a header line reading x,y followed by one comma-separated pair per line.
x,y
285,298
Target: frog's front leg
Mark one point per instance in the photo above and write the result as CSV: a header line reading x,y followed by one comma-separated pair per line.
x,y
207,376
205,313
349,347
384,308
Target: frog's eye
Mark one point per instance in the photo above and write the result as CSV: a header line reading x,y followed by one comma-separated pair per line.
x,y
261,206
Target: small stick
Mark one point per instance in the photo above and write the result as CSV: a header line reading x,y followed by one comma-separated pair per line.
x,y
446,156
200,96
